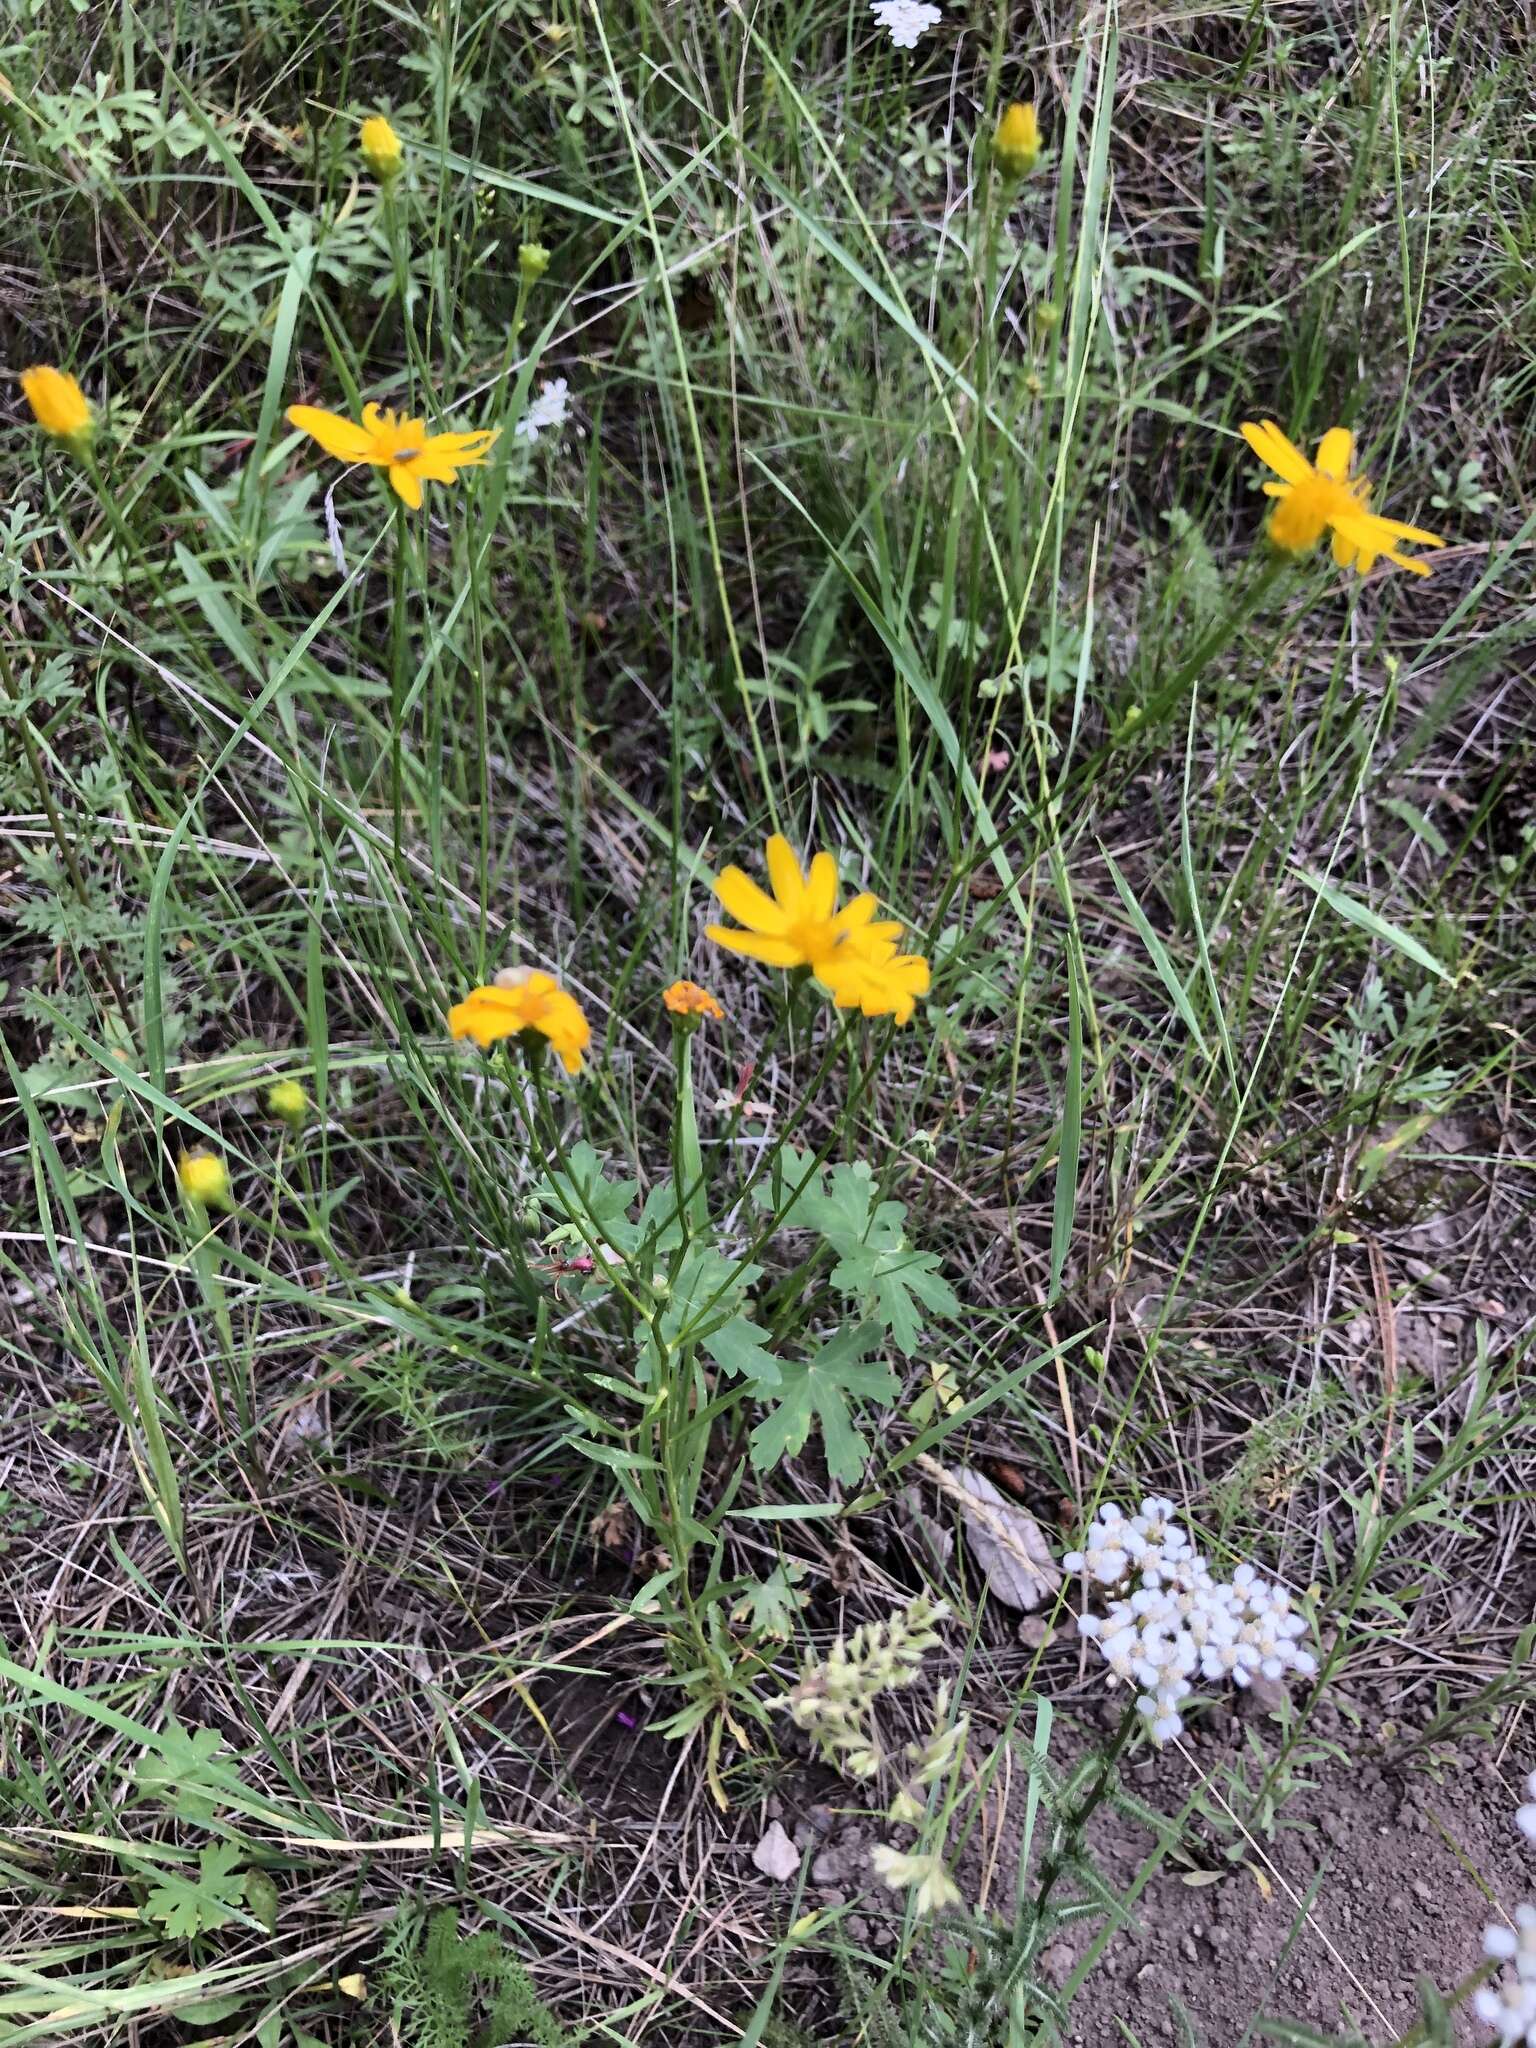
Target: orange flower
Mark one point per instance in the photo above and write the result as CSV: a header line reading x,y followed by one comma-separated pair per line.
x,y
687,999
518,1002
389,440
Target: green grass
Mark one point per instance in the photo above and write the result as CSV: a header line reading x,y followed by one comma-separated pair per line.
x,y
897,511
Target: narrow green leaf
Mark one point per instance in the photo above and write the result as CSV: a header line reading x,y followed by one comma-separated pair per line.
x,y
1065,1206
1361,914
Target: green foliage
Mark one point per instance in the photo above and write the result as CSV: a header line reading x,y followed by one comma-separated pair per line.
x,y
187,1907
447,1990
877,1270
816,1391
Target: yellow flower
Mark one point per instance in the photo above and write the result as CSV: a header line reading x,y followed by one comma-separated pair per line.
x,y
204,1179
687,999
288,1101
381,148
412,456
524,1002
800,924
1311,500
875,979
851,952
58,404
532,262
1016,145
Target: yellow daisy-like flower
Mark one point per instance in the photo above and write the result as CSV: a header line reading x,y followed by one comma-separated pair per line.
x,y
389,441
800,924
204,1179
1016,145
524,1002
687,999
58,404
876,979
382,149
851,952
1312,499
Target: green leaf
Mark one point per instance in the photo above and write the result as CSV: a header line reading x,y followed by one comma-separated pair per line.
x,y
737,1346
889,1285
876,1266
769,1606
818,1391
179,1772
186,1907
1357,913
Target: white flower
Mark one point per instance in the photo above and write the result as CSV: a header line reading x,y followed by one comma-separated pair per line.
x,y
935,1889
548,410
906,22
1178,1621
1509,2007
1525,1816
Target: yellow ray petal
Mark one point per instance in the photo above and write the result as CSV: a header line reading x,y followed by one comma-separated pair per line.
x,y
821,887
462,448
784,874
343,438
406,485
773,952
1335,453
1271,446
747,903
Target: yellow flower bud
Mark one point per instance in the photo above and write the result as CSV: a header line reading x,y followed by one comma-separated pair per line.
x,y
1016,145
58,405
204,1179
532,262
287,1101
381,147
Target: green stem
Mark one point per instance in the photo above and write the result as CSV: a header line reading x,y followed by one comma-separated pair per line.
x,y
397,669
1071,1831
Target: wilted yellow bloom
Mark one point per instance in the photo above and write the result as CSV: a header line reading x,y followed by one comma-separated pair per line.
x,y
204,1179
687,999
58,404
851,952
381,148
1312,500
1016,145
390,441
524,1002
287,1100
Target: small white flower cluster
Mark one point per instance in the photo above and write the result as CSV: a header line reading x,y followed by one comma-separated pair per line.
x,y
1175,1622
906,22
1509,2006
547,412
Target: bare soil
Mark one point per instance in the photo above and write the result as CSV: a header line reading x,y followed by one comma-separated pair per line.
x,y
1373,1876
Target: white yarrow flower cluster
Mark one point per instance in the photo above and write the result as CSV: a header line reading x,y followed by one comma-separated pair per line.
x,y
1175,1622
547,412
1509,2006
906,22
